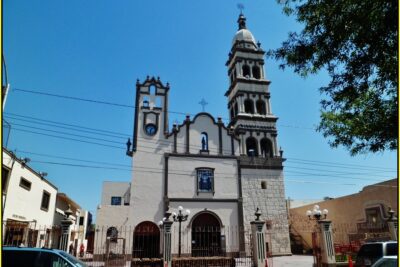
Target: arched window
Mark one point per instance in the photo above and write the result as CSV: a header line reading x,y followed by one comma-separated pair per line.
x,y
249,106
256,72
246,71
112,233
204,141
266,148
152,89
260,104
251,147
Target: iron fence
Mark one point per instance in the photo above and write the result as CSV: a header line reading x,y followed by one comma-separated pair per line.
x,y
140,245
347,237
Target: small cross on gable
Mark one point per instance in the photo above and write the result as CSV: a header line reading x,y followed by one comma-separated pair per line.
x,y
203,103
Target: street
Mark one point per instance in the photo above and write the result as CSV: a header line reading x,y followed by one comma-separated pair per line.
x,y
294,260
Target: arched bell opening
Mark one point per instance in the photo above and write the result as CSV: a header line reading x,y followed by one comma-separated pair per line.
x,y
266,148
246,71
249,106
256,72
260,105
251,147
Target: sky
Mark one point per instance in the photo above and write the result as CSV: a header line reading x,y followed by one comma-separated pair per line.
x,y
96,50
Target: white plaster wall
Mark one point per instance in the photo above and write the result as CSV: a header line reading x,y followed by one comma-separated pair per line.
x,y
181,140
182,177
113,216
147,187
227,213
204,123
24,205
114,189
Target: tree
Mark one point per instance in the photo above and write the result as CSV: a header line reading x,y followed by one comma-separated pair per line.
x,y
356,43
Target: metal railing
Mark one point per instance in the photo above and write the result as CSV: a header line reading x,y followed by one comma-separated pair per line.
x,y
140,245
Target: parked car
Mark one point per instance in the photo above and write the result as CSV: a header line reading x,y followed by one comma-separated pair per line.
x,y
386,261
38,257
369,253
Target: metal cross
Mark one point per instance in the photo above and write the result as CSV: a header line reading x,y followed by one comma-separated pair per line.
x,y
241,7
203,103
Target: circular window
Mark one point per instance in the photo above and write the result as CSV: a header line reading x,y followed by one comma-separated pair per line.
x,y
150,129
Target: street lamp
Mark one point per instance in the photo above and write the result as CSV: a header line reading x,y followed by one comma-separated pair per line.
x,y
180,217
316,213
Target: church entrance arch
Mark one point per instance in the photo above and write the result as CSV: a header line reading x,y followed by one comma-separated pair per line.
x,y
206,235
146,240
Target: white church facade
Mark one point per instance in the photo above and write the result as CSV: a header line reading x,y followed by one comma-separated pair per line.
x,y
221,173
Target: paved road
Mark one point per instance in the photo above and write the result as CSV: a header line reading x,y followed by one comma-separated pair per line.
x,y
294,260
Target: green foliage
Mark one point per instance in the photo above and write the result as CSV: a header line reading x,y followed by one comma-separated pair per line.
x,y
356,42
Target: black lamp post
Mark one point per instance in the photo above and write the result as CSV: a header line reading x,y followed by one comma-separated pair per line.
x,y
180,217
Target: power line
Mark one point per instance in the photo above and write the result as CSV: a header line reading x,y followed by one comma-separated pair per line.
x,y
74,98
292,160
152,152
208,161
158,171
338,163
80,127
130,106
77,135
72,159
66,138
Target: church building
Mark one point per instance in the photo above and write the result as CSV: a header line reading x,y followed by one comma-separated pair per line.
x,y
221,173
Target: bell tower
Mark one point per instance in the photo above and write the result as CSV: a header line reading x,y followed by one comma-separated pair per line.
x,y
151,116
249,97
252,121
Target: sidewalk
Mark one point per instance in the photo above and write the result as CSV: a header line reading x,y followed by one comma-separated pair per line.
x,y
294,260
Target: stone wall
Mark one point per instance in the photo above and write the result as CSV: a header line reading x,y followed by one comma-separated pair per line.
x,y
271,202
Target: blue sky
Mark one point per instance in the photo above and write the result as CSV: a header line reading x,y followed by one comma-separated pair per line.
x,y
97,49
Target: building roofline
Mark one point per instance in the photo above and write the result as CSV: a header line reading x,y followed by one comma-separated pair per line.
x,y
68,199
12,155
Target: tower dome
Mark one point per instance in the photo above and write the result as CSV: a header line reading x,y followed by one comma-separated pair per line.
x,y
243,34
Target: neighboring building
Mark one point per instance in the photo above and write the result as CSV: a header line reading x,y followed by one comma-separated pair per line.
x,y
115,200
222,173
294,203
29,202
355,218
63,203
33,209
